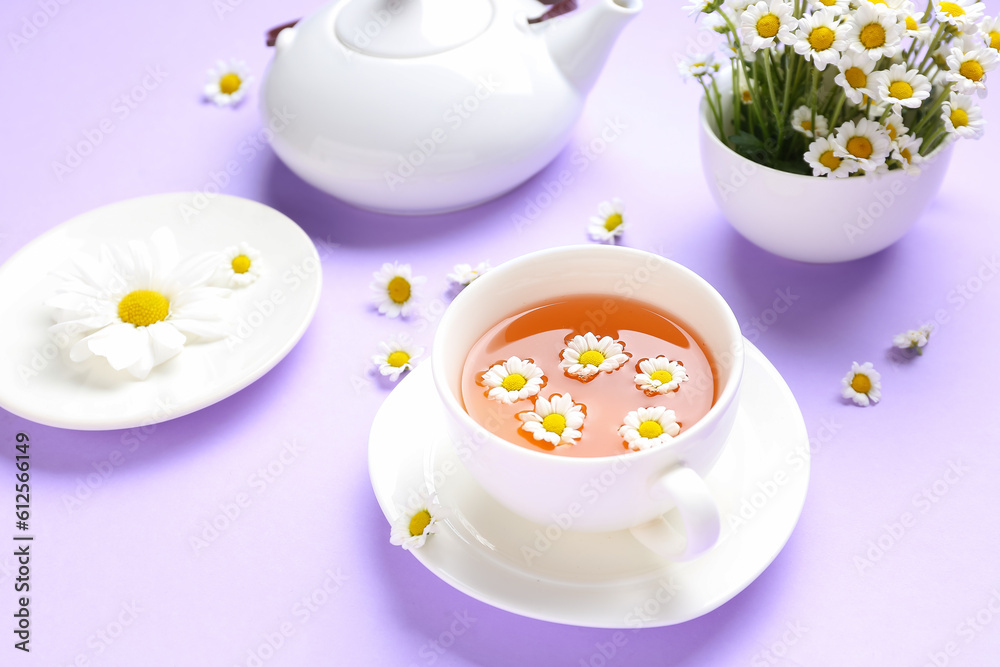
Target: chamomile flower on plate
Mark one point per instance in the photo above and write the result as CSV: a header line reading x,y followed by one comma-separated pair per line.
x,y
646,428
396,289
463,274
395,357
587,355
821,37
962,117
866,141
412,528
241,265
659,375
513,380
874,31
556,420
855,71
862,384
825,162
802,122
609,223
228,82
900,87
137,306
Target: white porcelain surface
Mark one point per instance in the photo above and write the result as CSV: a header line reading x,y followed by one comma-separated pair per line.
x,y
540,486
405,115
37,380
815,219
597,579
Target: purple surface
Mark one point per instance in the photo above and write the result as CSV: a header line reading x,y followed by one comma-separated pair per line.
x,y
107,543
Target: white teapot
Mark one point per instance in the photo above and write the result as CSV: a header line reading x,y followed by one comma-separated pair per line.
x,y
425,106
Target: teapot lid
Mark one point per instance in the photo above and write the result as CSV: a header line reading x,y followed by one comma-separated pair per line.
x,y
411,28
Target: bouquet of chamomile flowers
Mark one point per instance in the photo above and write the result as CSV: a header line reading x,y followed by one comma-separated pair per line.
x,y
845,87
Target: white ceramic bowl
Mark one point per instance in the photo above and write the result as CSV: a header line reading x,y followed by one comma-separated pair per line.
x,y
814,219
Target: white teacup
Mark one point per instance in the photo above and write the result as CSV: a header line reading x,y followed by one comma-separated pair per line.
x,y
608,493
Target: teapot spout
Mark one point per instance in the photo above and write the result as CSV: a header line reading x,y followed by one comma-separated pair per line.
x,y
580,42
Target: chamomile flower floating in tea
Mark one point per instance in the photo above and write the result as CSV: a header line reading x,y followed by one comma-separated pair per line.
x,y
609,223
914,340
138,306
227,82
463,274
556,420
659,376
241,265
396,289
395,357
513,380
802,122
414,525
962,117
587,355
862,384
649,427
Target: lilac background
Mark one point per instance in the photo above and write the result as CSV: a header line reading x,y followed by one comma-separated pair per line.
x,y
127,540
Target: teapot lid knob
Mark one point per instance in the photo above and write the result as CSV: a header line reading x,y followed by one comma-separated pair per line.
x,y
411,28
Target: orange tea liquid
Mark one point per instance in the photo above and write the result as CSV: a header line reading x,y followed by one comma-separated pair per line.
x,y
540,334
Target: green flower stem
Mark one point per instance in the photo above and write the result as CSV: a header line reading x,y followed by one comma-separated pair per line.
x,y
736,101
813,94
836,111
933,141
932,47
931,112
774,99
716,113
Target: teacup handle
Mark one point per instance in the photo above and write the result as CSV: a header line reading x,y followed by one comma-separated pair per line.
x,y
700,514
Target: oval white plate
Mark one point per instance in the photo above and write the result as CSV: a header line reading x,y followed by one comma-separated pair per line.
x,y
38,382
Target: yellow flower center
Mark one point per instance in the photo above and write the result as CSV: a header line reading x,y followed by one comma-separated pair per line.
x,y
398,359
856,77
952,9
906,154
807,125
662,376
241,264
872,36
860,147
746,97
911,23
650,429
514,382
901,90
994,40
554,423
592,358
419,523
230,83
829,160
613,222
861,384
959,118
143,307
767,25
399,289
971,70
829,3
821,38
891,129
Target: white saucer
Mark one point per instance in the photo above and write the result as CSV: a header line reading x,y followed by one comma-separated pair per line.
x,y
37,382
605,580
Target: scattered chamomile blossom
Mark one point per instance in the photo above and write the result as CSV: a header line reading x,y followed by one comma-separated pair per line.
x,y
914,340
697,66
513,380
556,420
901,87
802,122
649,427
241,265
764,22
395,289
906,150
824,162
463,274
874,31
962,117
967,68
411,529
228,83
990,30
865,141
821,38
137,306
855,70
395,357
862,384
659,376
609,223
962,14
587,355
